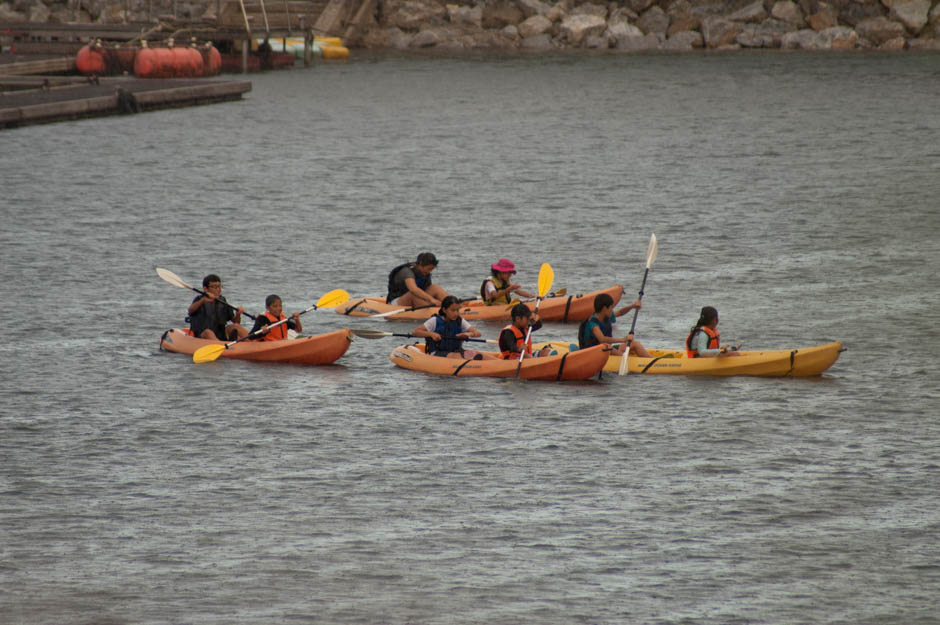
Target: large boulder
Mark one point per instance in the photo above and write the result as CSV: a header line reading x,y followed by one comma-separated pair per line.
x,y
10,15
39,13
500,14
788,12
878,30
532,7
719,32
412,15
537,43
619,29
589,8
464,15
824,17
836,38
911,13
640,44
654,20
852,13
683,40
753,13
767,34
682,22
535,25
575,28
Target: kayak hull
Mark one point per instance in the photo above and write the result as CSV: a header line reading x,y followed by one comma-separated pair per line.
x,y
565,309
322,349
580,365
802,362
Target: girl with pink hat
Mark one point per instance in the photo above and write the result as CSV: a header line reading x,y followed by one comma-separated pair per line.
x,y
497,288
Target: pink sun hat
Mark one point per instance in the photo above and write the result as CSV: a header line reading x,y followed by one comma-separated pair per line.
x,y
504,264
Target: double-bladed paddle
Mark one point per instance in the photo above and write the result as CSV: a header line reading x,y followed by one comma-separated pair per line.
x,y
546,277
378,334
650,257
211,352
175,280
558,293
401,310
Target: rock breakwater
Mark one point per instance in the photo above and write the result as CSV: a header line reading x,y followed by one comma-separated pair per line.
x,y
536,25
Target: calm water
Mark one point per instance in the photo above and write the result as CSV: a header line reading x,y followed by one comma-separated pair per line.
x,y
796,193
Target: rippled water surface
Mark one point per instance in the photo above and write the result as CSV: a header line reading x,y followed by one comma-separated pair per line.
x,y
796,193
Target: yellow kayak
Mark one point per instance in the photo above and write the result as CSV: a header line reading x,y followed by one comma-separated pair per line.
x,y
805,361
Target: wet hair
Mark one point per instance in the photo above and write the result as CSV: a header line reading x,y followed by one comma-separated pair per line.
x,y
447,302
210,279
708,314
519,311
426,258
270,299
602,301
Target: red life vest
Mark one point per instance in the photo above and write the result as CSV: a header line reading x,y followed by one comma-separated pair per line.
x,y
714,341
278,333
520,339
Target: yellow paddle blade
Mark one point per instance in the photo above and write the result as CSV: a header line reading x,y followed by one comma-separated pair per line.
x,y
335,297
208,353
546,278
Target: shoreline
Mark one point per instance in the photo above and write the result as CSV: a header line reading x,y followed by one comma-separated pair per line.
x,y
537,26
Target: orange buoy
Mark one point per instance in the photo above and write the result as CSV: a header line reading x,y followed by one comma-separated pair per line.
x,y
90,60
145,62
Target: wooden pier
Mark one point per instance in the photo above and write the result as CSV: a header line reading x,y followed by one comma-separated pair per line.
x,y
26,100
232,28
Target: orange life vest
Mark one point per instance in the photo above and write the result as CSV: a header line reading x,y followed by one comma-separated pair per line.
x,y
520,339
278,333
714,341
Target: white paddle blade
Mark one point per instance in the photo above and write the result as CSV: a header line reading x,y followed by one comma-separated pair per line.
x,y
172,278
651,251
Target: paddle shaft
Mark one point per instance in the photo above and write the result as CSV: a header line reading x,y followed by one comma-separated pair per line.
x,y
377,334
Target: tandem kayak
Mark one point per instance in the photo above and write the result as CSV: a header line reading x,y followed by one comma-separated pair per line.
x,y
802,362
568,308
321,349
579,365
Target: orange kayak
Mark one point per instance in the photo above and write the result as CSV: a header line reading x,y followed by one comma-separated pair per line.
x,y
321,349
579,365
565,309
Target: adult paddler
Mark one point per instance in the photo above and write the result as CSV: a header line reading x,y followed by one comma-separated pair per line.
x,y
409,284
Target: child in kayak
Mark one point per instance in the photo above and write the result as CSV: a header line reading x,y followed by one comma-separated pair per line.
x,y
210,315
703,340
512,340
273,312
446,330
599,328
497,288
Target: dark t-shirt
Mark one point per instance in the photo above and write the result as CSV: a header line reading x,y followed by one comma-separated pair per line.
x,y
212,315
262,321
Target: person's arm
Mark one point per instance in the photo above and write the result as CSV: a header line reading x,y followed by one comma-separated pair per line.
x,y
294,323
700,343
525,293
637,304
425,330
198,302
418,292
260,323
467,330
